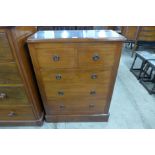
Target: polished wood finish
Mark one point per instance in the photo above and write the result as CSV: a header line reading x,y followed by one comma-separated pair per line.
x,y
20,102
130,32
136,34
61,76
96,56
56,58
78,118
17,113
43,28
87,106
5,50
75,90
13,95
9,73
139,33
75,36
146,33
76,84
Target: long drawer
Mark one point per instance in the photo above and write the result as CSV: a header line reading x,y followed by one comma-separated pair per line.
x,y
13,96
5,50
16,113
76,76
65,91
76,106
9,73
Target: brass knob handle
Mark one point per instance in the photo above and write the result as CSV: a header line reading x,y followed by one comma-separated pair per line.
x,y
96,57
93,92
94,76
60,93
62,107
56,58
58,76
11,114
91,105
2,95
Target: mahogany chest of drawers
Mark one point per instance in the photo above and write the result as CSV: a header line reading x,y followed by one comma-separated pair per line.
x,y
20,103
76,72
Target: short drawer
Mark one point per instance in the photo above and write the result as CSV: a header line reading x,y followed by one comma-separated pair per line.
x,y
92,57
76,76
5,50
56,58
76,106
9,73
65,91
13,96
16,113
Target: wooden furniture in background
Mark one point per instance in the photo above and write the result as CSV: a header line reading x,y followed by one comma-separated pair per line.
x,y
146,33
145,37
130,32
76,72
140,36
20,103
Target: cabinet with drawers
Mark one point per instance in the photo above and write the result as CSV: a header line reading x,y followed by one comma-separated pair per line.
x,y
76,72
20,102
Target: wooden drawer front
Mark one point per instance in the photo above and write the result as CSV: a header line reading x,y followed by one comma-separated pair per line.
x,y
90,57
56,58
16,113
5,50
9,73
76,106
76,76
65,91
148,28
147,37
12,96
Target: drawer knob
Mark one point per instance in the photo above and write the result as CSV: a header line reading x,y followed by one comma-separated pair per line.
x,y
11,114
56,58
2,95
61,93
96,57
94,76
62,107
58,76
93,92
91,105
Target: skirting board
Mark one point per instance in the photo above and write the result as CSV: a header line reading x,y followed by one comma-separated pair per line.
x,y
77,118
38,122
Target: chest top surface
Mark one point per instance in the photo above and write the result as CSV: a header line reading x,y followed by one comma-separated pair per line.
x,y
75,36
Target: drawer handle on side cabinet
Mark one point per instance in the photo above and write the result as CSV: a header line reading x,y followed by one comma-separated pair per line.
x,y
62,107
91,105
94,76
2,96
96,57
60,93
58,76
56,58
11,114
93,92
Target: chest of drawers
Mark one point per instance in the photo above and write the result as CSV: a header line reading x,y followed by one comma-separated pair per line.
x,y
20,102
76,72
